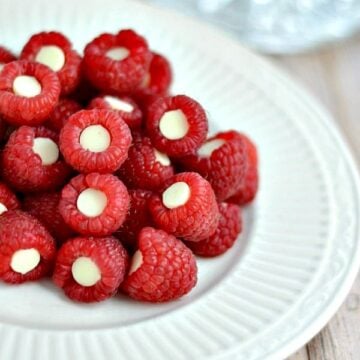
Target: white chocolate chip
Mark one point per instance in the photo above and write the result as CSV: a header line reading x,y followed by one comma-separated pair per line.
x,y
23,261
85,272
162,158
209,147
3,208
174,125
95,138
136,261
91,202
118,104
52,56
118,53
26,86
176,195
46,149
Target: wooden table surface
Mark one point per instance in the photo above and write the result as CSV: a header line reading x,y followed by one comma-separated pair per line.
x,y
332,75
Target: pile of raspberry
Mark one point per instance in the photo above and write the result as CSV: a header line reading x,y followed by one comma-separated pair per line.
x,y
110,183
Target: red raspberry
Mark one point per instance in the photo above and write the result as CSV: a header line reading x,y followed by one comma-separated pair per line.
x,y
95,141
5,57
63,110
28,92
176,125
90,269
229,228
117,63
31,161
186,207
162,269
84,92
3,130
27,250
138,217
145,167
55,51
45,207
94,204
222,160
8,200
124,106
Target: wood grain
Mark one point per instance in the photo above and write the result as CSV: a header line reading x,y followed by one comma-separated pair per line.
x,y
333,76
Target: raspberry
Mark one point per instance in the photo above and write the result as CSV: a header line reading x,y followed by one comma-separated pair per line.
x,y
90,269
94,204
5,57
176,125
117,63
55,51
137,218
8,200
63,110
229,228
186,207
162,269
45,207
84,92
222,160
95,141
124,106
145,167
28,92
3,130
31,161
27,250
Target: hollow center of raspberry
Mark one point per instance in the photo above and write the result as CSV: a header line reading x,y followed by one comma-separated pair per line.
x,y
46,149
52,56
136,261
95,138
92,202
209,147
118,53
26,86
162,158
3,208
118,104
85,272
176,195
174,125
25,260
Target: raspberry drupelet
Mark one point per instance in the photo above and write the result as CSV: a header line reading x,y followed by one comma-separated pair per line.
x,y
117,63
28,93
145,168
5,57
95,140
31,161
125,106
222,160
45,207
162,268
230,226
27,250
94,204
186,207
54,50
176,125
90,269
8,200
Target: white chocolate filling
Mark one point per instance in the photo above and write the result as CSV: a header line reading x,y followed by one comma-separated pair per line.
x,y
162,158
26,86
176,195
118,53
52,56
174,125
85,272
91,202
209,147
136,261
95,138
118,104
25,260
3,208
46,149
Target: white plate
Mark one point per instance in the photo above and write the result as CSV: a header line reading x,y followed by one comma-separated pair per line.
x,y
298,256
